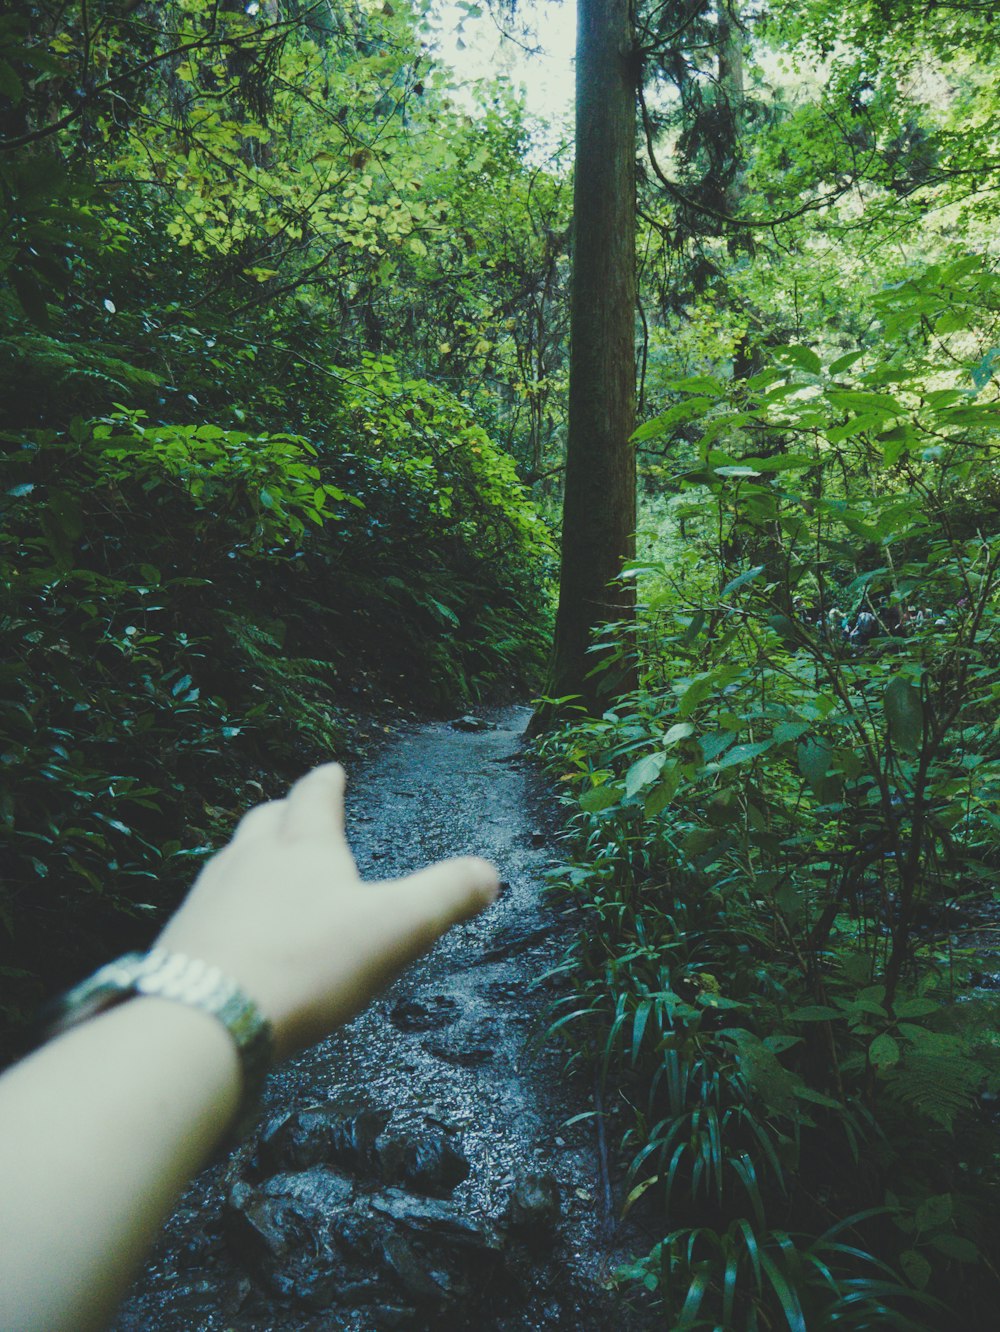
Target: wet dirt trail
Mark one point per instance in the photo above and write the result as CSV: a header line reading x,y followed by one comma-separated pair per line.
x,y
415,1170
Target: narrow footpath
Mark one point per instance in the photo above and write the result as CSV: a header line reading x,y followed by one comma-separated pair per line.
x,y
415,1170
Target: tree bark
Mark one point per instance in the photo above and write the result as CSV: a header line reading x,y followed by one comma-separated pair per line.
x,y
599,501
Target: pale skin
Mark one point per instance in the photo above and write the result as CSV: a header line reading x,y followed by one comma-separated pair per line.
x,y
101,1129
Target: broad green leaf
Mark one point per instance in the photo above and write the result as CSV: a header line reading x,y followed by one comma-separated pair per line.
x,y
953,320
884,1051
843,363
805,1093
983,372
815,757
915,1267
804,357
600,797
663,792
789,730
741,580
643,773
956,1246
713,745
744,753
863,403
679,731
694,693
786,629
912,1008
935,1212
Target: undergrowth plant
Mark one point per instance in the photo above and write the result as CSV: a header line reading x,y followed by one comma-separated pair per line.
x,y
193,614
784,842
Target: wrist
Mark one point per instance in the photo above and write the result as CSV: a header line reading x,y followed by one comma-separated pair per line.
x,y
185,983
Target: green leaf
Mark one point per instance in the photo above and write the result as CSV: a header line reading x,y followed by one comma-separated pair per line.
x,y
695,692
804,357
643,773
639,1026
10,85
956,1246
789,730
810,1094
787,1296
843,363
814,1013
904,713
934,1212
742,580
912,1008
744,753
679,731
983,372
815,757
862,403
600,797
915,1267
444,612
884,1051
786,629
952,321
713,745
662,794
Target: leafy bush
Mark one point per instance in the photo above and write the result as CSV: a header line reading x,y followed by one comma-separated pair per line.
x,y
191,615
774,836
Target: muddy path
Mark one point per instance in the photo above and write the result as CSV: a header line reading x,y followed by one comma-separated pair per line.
x,y
415,1170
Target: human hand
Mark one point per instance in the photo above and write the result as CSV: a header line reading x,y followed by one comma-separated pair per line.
x,y
282,911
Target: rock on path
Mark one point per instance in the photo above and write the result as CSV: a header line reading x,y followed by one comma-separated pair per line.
x,y
413,1170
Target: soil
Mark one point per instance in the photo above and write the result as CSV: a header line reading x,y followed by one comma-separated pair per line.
x,y
453,1052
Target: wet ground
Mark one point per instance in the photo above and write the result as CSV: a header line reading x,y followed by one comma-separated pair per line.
x,y
451,1055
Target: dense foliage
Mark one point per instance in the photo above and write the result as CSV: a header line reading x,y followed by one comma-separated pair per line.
x,y
785,841
236,529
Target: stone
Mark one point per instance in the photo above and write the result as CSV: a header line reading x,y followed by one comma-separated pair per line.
x,y
469,1049
424,1014
433,1219
294,1233
471,723
427,1162
410,1272
322,1135
533,1206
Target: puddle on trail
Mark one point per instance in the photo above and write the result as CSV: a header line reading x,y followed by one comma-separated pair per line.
x,y
452,1049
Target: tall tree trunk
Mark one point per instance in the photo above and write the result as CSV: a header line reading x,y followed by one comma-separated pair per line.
x,y
599,502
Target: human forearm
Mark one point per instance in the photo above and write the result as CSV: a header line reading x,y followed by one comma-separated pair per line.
x,y
102,1129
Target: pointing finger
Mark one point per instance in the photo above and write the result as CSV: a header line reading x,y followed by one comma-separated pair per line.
x,y
429,902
